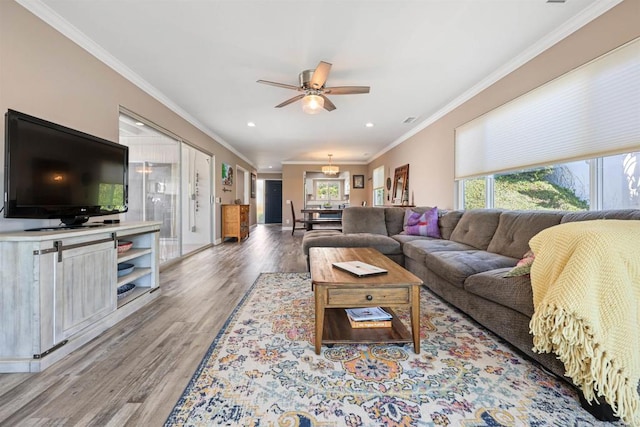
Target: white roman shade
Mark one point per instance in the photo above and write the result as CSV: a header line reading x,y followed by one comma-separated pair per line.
x,y
589,112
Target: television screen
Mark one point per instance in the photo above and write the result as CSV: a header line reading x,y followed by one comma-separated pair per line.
x,y
52,171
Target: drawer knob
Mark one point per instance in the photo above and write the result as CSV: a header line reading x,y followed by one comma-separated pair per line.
x,y
369,297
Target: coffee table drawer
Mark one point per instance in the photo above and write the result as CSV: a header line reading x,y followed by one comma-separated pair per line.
x,y
346,297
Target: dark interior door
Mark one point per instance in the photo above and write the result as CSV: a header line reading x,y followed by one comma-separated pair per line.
x,y
272,202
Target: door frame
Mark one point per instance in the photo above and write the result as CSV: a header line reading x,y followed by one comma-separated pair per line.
x,y
265,202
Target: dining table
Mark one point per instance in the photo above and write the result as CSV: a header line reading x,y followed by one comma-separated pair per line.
x,y
312,216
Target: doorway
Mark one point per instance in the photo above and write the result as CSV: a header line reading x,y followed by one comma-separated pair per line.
x,y
242,184
196,193
272,202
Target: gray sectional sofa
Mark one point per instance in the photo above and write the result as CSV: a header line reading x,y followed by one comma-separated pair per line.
x,y
466,266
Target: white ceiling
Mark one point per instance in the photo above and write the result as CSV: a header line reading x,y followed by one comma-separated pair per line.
x,y
421,58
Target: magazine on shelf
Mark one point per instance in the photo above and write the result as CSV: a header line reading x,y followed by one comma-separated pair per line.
x,y
367,314
359,268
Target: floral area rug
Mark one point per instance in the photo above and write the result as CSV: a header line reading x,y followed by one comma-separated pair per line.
x,y
262,370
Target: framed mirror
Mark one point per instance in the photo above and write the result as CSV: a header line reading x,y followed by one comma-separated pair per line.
x,y
401,185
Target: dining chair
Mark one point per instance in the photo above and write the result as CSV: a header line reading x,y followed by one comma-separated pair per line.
x,y
296,220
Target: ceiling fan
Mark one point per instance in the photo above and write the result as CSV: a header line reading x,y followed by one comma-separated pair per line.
x,y
312,84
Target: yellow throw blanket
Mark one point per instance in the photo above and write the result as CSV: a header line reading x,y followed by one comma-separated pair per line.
x,y
586,296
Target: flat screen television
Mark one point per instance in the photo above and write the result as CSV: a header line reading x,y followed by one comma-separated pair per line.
x,y
52,171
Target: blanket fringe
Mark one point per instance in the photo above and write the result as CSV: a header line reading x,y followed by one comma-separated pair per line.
x,y
590,368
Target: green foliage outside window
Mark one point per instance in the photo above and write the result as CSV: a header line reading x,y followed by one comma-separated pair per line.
x,y
523,191
328,191
475,191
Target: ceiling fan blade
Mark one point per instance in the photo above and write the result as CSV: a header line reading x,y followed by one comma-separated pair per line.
x,y
320,75
290,101
266,82
328,105
346,90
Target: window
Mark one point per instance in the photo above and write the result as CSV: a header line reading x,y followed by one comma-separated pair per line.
x,y
328,189
621,181
378,186
558,187
475,193
570,144
567,186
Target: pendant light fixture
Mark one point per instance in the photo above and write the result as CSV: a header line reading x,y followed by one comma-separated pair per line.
x,y
330,169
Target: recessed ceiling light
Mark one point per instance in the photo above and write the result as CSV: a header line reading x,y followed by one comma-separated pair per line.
x,y
251,124
369,125
139,124
270,167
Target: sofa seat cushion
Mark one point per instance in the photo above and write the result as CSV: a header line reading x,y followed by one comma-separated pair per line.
x,y
456,266
405,238
417,248
386,245
512,292
318,238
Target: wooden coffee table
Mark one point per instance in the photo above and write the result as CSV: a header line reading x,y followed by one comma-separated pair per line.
x,y
336,290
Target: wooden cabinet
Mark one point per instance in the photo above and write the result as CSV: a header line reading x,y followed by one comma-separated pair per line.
x,y
59,288
235,221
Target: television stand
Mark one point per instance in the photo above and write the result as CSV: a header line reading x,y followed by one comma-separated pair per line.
x,y
60,288
67,227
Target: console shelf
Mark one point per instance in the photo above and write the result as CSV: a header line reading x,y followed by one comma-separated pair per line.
x,y
67,281
135,274
137,292
133,253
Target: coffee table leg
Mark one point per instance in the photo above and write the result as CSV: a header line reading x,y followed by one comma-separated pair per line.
x,y
415,317
320,305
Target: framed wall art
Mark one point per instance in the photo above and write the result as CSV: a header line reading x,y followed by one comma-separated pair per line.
x,y
358,181
227,174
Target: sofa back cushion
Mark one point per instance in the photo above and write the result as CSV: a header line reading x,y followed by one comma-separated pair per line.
x,y
447,222
358,219
394,219
476,227
516,228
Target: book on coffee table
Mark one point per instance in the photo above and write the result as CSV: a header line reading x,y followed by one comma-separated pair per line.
x,y
370,324
359,268
368,317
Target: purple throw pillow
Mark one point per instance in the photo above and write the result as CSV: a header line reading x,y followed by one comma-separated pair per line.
x,y
425,224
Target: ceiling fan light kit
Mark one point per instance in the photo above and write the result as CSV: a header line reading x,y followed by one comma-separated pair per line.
x,y
312,84
312,104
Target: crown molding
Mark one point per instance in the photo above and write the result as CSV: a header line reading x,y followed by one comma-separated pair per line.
x,y
53,19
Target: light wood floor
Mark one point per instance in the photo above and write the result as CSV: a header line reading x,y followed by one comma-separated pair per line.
x,y
134,373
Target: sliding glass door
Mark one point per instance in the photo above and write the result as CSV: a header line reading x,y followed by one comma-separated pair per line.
x,y
171,182
154,178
